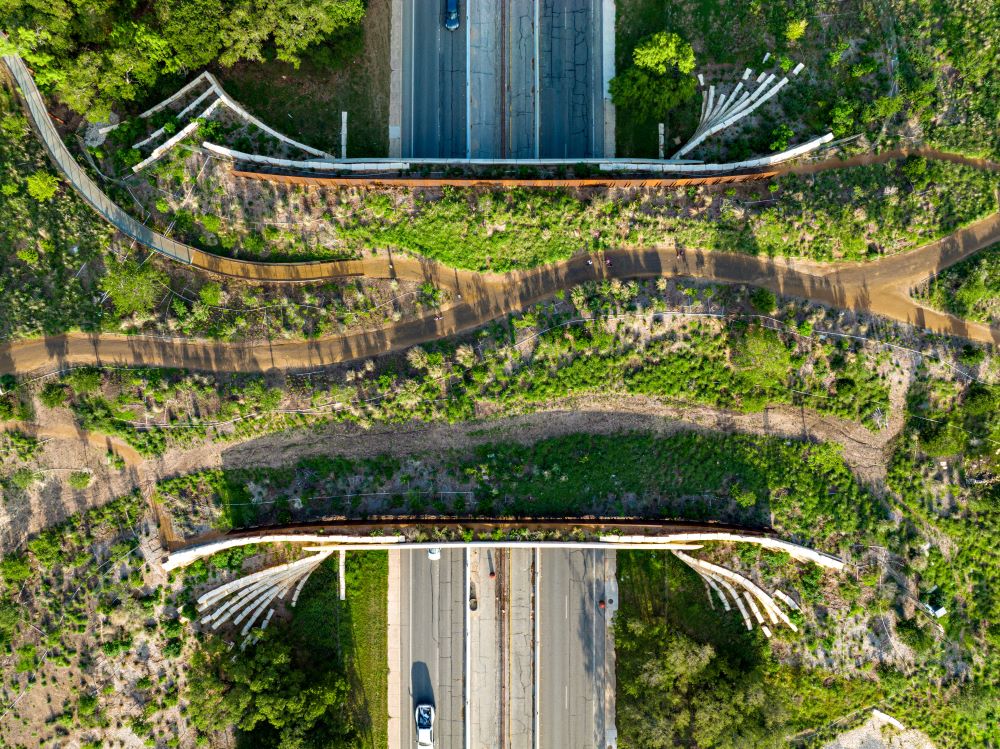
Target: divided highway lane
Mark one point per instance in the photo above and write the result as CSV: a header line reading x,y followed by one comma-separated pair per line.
x,y
431,652
576,666
571,79
435,63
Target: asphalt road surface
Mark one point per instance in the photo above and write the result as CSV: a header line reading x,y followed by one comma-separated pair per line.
x,y
432,600
572,113
575,666
518,79
434,82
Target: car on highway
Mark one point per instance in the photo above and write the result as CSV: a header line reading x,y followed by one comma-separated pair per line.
x,y
451,15
424,716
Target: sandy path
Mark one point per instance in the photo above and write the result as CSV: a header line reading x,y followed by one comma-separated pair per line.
x,y
879,287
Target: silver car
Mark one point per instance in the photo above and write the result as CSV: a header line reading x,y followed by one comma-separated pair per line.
x,y
424,716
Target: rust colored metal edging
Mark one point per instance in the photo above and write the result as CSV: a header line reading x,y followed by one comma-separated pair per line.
x,y
380,181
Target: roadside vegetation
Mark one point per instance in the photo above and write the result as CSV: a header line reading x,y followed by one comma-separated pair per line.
x,y
331,656
99,646
696,677
970,289
51,242
894,71
865,213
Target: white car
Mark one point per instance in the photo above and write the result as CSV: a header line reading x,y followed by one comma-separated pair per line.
x,y
424,716
434,554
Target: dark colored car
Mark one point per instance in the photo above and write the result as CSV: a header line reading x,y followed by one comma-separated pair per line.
x,y
451,14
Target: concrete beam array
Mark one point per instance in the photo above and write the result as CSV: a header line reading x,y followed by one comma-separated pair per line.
x,y
213,89
719,113
248,597
757,600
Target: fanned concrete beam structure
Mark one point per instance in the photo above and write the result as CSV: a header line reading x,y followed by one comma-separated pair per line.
x,y
721,110
763,607
217,96
245,599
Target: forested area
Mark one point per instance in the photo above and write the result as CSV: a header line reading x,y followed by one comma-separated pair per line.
x,y
98,54
901,70
689,676
303,684
970,289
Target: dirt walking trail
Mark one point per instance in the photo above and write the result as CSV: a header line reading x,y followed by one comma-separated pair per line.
x,y
880,287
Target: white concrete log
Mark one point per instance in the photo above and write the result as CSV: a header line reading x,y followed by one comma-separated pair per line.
x,y
753,606
715,586
223,590
238,109
773,612
177,138
802,553
210,91
187,556
176,95
789,601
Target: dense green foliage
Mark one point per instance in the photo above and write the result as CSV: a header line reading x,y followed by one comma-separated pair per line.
x,y
294,689
803,490
687,676
970,289
97,55
864,212
51,242
659,79
133,287
948,63
902,68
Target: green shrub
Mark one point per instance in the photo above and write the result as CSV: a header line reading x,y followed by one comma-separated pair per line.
x,y
10,620
24,478
134,288
52,395
80,479
42,186
764,301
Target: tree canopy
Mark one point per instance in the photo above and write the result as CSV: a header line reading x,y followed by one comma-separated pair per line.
x,y
95,54
272,694
686,677
133,287
659,79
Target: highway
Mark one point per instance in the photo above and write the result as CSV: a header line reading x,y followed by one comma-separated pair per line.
x,y
572,86
541,660
576,667
431,652
517,79
434,83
